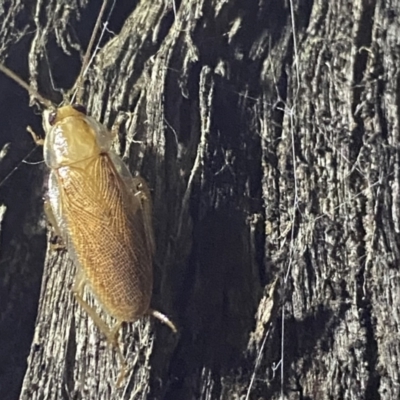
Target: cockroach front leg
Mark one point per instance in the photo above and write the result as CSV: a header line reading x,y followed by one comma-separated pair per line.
x,y
36,138
57,244
110,334
121,119
56,241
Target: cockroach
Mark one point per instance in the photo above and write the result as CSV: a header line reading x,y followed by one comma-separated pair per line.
x,y
102,212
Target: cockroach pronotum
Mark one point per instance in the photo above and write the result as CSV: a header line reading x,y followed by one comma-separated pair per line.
x,y
102,212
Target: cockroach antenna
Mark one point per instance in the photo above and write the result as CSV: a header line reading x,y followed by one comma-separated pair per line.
x,y
47,103
17,166
78,83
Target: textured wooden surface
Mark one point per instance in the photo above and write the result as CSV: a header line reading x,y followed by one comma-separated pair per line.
x,y
267,158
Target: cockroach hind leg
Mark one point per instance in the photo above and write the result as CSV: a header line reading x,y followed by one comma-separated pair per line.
x,y
112,338
163,318
110,334
35,136
114,341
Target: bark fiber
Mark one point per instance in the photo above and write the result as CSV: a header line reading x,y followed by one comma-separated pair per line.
x,y
269,134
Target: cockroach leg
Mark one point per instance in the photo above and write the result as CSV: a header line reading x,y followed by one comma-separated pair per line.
x,y
35,136
163,318
110,334
57,240
121,119
143,192
77,290
124,366
51,217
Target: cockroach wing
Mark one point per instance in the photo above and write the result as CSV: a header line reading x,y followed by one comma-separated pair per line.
x,y
140,197
56,213
104,137
107,224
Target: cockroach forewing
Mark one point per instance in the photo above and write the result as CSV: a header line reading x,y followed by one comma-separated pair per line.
x,y
53,196
138,200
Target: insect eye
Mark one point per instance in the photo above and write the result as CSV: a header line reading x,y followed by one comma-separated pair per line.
x,y
80,108
52,117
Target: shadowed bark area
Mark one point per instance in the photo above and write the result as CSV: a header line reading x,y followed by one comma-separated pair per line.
x,y
268,132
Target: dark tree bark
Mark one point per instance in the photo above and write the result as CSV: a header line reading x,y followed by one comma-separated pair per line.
x,y
269,134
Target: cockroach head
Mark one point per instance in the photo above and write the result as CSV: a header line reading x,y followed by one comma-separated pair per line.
x,y
48,117
52,115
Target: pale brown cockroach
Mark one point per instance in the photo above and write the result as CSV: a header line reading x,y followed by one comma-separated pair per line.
x,y
102,212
